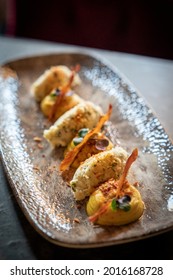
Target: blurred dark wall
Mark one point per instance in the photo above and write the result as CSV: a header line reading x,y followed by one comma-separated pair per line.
x,y
2,16
140,27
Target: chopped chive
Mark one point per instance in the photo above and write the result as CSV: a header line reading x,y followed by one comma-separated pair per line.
x,y
82,132
77,140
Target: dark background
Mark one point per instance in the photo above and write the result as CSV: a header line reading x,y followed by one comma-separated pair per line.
x,y
142,27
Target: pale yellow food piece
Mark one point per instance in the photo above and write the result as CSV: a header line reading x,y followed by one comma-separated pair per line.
x,y
85,114
115,217
88,149
96,170
68,102
55,77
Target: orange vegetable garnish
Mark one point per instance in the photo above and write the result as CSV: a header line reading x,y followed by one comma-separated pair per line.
x,y
129,162
100,212
70,157
62,92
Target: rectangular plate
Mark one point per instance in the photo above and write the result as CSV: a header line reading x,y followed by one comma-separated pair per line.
x,y
34,172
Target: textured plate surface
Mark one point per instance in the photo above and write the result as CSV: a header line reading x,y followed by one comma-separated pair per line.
x,y
32,169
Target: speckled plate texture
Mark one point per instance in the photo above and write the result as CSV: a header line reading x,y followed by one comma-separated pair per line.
x,y
33,168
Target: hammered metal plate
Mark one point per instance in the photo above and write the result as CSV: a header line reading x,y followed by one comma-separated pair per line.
x,y
32,169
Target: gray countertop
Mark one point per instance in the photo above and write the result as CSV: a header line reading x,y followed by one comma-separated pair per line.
x,y
154,79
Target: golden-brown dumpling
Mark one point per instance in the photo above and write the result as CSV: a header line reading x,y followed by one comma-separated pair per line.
x,y
96,143
68,101
96,170
55,77
85,114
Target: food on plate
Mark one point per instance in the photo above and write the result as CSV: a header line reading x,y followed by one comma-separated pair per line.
x,y
87,143
55,77
60,99
95,144
116,202
99,168
85,114
69,100
96,170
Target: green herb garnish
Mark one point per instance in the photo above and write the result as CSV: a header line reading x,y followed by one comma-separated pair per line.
x,y
55,93
114,204
82,132
77,140
122,203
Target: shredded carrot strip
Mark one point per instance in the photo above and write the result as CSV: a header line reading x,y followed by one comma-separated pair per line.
x,y
129,162
100,212
69,158
63,91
